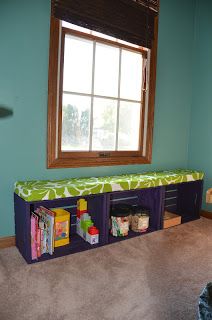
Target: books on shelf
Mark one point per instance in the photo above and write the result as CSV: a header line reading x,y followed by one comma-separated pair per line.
x,y
42,232
34,226
47,217
51,228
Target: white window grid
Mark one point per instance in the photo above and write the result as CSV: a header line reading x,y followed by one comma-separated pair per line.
x,y
118,98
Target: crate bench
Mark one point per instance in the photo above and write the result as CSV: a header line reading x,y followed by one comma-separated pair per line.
x,y
177,191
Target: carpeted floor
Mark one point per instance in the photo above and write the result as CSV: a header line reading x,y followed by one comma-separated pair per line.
x,y
157,276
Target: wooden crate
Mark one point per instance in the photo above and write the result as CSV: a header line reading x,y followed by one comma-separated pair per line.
x,y
170,220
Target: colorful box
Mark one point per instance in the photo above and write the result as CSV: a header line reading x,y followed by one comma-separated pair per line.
x,y
62,227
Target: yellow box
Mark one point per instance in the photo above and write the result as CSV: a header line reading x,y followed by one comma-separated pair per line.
x,y
61,227
170,220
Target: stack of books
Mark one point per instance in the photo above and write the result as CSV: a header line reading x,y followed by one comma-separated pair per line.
x,y
42,232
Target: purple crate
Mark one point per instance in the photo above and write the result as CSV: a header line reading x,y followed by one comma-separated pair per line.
x,y
186,200
150,198
23,227
23,209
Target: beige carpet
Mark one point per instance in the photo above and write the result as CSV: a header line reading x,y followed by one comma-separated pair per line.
x,y
154,277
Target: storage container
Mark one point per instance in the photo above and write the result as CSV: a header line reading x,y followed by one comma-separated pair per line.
x,y
120,219
171,219
62,226
140,219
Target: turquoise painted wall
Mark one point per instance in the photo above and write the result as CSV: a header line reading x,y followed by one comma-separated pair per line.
x,y
24,37
200,144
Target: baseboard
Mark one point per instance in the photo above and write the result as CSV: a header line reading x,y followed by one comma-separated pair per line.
x,y
7,242
206,214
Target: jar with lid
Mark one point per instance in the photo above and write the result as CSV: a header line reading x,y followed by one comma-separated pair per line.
x,y
120,214
140,219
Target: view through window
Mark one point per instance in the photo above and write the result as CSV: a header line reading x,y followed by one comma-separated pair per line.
x,y
102,94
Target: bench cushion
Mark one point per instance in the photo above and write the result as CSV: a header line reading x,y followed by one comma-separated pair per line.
x,y
53,189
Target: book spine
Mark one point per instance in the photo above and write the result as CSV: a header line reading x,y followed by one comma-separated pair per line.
x,y
38,242
33,238
41,240
51,235
44,240
42,231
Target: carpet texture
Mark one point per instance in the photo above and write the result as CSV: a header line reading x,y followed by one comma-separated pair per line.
x,y
157,276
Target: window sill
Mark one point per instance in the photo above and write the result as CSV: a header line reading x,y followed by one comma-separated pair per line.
x,y
95,162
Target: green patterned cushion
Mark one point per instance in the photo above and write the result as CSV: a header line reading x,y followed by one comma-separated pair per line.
x,y
54,189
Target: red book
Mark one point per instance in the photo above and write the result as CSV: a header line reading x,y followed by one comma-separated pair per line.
x,y
33,237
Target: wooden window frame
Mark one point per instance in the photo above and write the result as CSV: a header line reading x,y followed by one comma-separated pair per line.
x,y
60,159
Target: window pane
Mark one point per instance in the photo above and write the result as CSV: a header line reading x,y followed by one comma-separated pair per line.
x,y
75,122
106,70
129,123
104,124
78,59
131,72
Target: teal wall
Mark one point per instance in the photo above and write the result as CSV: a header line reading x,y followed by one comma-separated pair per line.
x,y
24,38
200,144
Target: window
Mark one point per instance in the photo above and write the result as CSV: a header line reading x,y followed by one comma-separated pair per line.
x,y
101,99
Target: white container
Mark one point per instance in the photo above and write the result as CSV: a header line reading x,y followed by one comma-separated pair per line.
x,y
140,222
